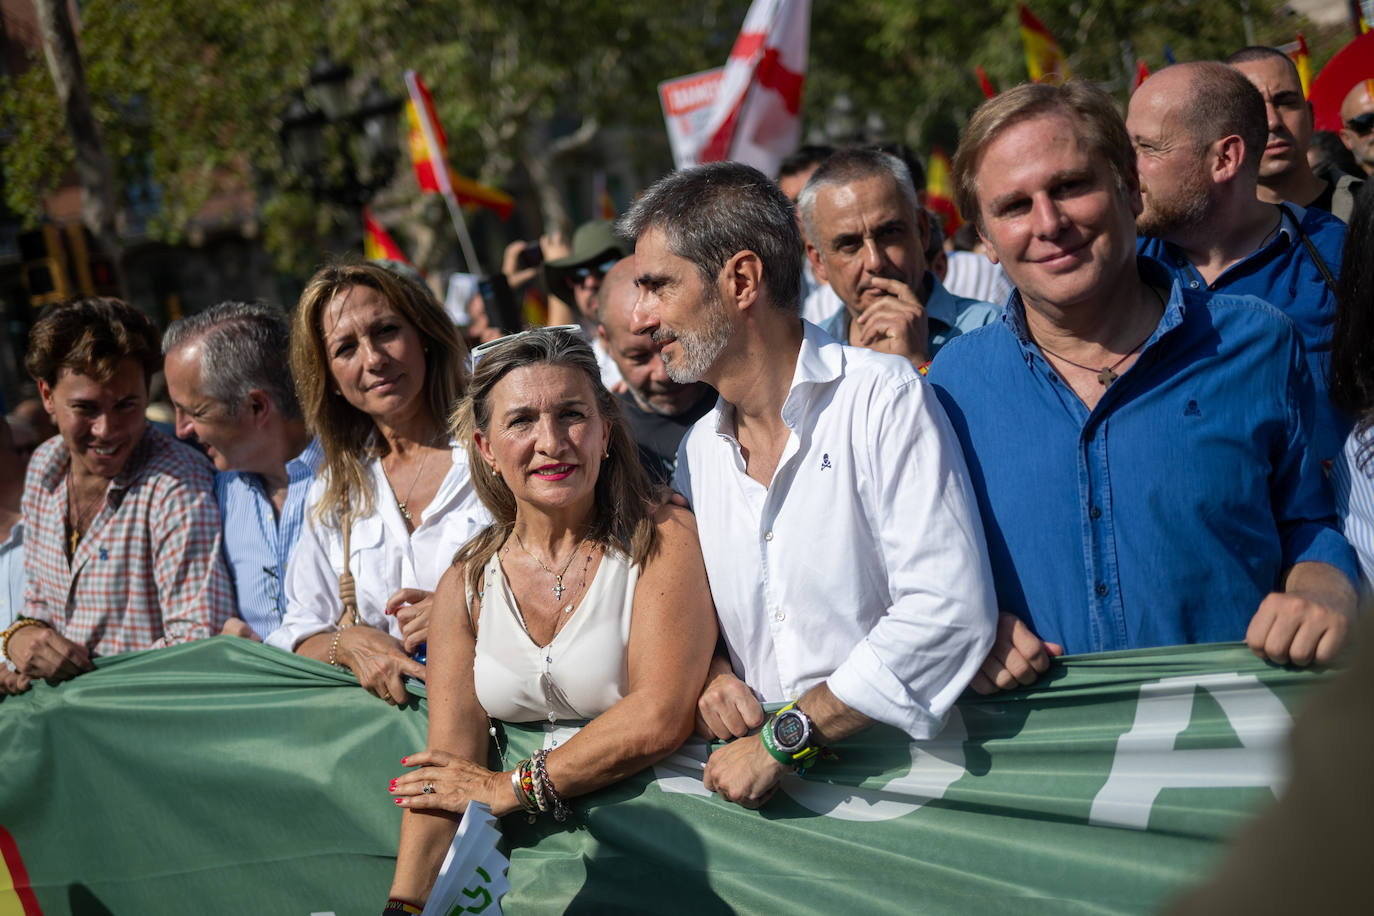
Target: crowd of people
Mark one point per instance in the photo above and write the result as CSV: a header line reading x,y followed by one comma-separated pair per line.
x,y
689,503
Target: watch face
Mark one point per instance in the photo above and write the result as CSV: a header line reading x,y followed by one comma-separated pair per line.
x,y
789,731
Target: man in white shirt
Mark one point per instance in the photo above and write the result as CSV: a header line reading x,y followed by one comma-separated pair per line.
x,y
841,538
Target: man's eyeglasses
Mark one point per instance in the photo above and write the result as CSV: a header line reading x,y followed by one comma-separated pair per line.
x,y
1361,124
579,276
483,349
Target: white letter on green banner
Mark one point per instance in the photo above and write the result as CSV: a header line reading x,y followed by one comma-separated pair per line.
x,y
1146,761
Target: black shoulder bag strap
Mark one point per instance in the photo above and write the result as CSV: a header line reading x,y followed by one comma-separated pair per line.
x,y
1326,273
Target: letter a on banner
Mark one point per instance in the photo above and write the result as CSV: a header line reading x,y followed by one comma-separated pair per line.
x,y
1147,761
756,118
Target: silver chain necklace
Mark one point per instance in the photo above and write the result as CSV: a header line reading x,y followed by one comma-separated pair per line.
x,y
558,589
403,503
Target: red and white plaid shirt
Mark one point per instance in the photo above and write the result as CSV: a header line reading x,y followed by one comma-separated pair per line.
x,y
149,572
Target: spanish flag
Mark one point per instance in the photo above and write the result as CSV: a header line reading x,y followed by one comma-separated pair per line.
x,y
535,308
601,197
940,190
429,145
16,895
1044,60
984,83
378,244
1303,61
1142,73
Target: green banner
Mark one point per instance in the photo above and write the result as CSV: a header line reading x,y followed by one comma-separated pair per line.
x,y
226,777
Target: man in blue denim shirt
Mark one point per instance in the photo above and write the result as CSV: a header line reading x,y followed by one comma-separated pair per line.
x,y
1139,450
1199,131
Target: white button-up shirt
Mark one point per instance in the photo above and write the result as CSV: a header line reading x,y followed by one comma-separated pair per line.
x,y
862,564
383,557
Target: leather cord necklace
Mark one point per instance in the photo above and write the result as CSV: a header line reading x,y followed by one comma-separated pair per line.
x,y
1105,374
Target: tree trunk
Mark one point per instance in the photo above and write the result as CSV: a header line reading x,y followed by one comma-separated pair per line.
x,y
92,164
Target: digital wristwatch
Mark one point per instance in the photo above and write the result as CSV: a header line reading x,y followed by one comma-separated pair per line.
x,y
787,737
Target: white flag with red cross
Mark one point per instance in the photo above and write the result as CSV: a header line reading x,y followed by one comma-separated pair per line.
x,y
756,117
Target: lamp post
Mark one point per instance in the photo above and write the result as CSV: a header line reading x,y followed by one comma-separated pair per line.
x,y
341,146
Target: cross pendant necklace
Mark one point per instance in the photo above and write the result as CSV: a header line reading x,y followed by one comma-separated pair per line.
x,y
558,588
1105,374
74,540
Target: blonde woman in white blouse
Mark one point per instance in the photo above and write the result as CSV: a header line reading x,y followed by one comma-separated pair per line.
x,y
378,368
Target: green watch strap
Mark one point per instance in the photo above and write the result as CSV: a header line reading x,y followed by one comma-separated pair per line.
x,y
777,753
803,758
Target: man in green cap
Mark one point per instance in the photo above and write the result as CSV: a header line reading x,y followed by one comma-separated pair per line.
x,y
595,250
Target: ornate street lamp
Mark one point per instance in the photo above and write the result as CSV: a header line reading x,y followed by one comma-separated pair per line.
x,y
339,146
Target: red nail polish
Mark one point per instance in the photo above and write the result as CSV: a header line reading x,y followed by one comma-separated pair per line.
x,y
398,801
403,761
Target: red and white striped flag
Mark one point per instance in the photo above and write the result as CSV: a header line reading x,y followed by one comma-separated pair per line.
x,y
756,118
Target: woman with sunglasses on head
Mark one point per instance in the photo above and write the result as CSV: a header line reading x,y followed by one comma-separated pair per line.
x,y
378,367
585,599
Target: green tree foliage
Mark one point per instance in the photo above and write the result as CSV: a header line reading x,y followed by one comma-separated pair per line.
x,y
912,63
188,92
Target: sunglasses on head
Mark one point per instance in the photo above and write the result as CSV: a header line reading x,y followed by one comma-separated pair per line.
x,y
579,276
483,349
1362,124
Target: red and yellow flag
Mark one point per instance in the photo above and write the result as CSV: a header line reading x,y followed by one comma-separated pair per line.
x,y
1303,61
1044,60
984,83
16,896
601,197
1142,73
471,193
940,190
535,308
429,154
377,242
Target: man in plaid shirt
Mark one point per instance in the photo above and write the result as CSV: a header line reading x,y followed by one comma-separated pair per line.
x,y
123,536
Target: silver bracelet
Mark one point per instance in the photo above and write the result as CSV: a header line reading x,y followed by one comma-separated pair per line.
x,y
543,784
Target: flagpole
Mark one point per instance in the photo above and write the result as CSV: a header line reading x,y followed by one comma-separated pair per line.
x,y
439,163
455,213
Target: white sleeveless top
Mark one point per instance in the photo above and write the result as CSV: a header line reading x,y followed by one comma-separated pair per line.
x,y
582,673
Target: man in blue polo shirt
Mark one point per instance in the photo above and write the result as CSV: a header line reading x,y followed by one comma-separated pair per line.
x,y
1199,131
229,377
1138,448
866,236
